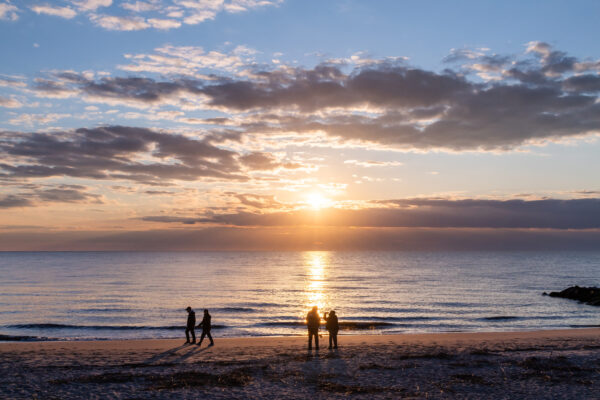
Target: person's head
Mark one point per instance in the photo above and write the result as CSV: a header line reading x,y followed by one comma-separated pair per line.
x,y
205,311
331,312
188,309
315,308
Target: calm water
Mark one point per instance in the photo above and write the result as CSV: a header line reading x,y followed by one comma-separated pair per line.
x,y
143,295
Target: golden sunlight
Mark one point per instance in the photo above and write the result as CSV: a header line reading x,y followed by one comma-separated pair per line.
x,y
317,201
316,263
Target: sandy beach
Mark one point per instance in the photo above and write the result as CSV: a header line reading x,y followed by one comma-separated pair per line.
x,y
537,364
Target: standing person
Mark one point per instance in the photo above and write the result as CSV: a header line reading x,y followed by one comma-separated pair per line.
x,y
333,327
191,323
313,320
205,324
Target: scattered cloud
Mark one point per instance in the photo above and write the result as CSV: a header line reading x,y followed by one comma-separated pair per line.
x,y
91,5
30,120
188,60
157,14
115,152
63,12
116,23
8,12
12,201
388,104
36,195
10,102
164,24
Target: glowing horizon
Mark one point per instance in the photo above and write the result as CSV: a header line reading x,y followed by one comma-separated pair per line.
x,y
192,123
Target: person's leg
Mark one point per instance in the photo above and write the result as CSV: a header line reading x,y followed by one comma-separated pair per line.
x,y
193,335
187,335
316,339
335,340
201,338
212,342
310,334
330,339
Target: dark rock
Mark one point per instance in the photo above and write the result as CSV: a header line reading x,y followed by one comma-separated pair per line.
x,y
588,295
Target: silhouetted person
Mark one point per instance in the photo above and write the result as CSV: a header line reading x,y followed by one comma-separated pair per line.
x,y
332,327
313,320
191,323
205,324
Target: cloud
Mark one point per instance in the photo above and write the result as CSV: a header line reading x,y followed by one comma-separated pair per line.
x,y
157,14
257,201
12,201
115,152
164,24
426,213
188,60
389,104
141,6
36,196
35,119
371,163
12,82
63,12
8,12
68,194
260,161
91,5
10,102
115,23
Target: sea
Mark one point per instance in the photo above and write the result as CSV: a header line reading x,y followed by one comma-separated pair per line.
x,y
138,295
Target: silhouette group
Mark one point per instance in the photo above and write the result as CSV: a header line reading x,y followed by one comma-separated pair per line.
x,y
191,327
313,322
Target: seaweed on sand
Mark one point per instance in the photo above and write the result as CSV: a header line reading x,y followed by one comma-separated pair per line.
x,y
234,378
354,389
438,356
471,378
109,377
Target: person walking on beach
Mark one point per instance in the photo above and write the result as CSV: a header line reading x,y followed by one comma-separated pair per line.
x,y
205,324
332,327
191,323
313,320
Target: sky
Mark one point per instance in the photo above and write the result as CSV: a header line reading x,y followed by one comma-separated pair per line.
x,y
299,125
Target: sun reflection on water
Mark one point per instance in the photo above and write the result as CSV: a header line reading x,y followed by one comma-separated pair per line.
x,y
316,263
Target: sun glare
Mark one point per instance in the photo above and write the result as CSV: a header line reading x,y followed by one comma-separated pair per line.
x,y
317,201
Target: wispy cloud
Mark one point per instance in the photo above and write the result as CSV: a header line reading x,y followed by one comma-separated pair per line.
x,y
116,23
63,12
423,213
91,5
139,15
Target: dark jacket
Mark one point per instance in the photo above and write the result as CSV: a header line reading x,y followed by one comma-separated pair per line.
x,y
332,323
313,321
191,322
205,324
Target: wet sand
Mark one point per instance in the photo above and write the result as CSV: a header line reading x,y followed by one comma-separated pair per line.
x,y
536,365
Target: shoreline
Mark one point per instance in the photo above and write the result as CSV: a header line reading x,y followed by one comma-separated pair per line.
x,y
10,338
524,364
322,333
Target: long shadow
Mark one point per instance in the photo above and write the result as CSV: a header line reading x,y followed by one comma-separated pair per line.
x,y
191,353
164,354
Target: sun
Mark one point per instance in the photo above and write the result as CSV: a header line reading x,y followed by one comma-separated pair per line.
x,y
317,201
